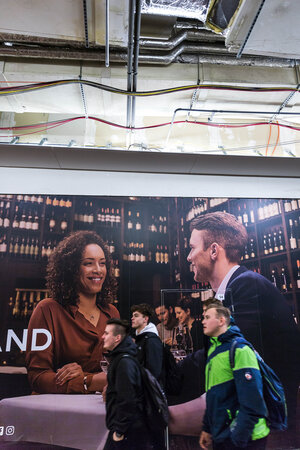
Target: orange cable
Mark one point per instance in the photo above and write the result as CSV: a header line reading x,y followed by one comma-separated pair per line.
x,y
278,134
270,132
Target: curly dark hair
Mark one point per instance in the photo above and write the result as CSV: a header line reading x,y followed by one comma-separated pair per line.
x,y
63,269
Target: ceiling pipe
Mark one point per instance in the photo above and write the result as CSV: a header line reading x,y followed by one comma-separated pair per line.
x,y
107,33
178,55
130,60
137,32
171,43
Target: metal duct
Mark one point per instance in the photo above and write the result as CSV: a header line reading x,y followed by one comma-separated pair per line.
x,y
180,37
193,9
181,54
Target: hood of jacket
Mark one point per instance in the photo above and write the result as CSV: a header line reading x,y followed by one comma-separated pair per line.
x,y
126,346
148,328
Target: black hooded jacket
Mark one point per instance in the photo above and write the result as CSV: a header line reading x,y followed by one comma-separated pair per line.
x,y
124,396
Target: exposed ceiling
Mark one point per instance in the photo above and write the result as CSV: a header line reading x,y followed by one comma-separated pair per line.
x,y
257,114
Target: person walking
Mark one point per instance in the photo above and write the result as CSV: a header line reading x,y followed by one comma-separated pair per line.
x,y
235,416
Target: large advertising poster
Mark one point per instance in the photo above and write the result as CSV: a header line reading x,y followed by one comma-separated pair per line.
x,y
153,254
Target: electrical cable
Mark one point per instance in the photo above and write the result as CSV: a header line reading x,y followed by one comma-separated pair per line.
x,y
270,132
54,124
278,134
14,90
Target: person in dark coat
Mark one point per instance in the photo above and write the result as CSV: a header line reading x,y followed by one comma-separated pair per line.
x,y
149,345
217,242
125,418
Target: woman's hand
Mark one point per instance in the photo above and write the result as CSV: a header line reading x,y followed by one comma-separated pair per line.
x,y
205,440
68,372
169,341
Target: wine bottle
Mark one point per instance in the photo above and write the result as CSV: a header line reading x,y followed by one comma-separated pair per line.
x,y
28,224
138,225
287,206
252,248
239,215
6,219
142,252
284,285
27,248
252,219
52,222
64,224
11,246
245,215
35,223
166,255
55,202
274,278
117,269
129,221
292,236
157,255
260,210
294,204
118,218
91,214
270,243
281,240
112,218
3,245
298,273
265,245
16,222
275,240
22,247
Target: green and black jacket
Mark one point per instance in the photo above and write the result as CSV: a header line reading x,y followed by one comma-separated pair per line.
x,y
235,407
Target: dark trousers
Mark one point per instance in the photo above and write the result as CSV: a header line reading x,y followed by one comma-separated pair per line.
x,y
136,440
259,444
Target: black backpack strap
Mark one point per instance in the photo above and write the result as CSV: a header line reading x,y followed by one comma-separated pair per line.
x,y
232,352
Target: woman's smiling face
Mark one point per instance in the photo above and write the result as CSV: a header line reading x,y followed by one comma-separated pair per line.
x,y
92,271
182,315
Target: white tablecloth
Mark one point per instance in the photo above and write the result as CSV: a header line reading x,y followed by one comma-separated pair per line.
x,y
76,421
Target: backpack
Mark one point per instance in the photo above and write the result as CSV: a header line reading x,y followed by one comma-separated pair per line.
x,y
273,391
171,376
155,402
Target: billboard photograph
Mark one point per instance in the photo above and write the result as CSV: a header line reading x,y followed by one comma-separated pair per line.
x,y
71,265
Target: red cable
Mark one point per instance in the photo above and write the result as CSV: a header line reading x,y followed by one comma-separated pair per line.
x,y
106,122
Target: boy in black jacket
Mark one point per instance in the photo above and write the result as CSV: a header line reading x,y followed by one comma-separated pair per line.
x,y
149,345
124,396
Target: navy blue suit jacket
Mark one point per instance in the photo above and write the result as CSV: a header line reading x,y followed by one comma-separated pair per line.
x,y
265,319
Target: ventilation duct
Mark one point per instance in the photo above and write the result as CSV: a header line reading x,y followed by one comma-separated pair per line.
x,y
192,9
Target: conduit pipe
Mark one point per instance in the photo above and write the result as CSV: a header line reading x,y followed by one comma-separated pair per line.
x,y
137,32
178,55
171,43
223,111
130,59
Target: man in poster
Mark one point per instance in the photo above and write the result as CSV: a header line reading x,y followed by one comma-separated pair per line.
x,y
217,242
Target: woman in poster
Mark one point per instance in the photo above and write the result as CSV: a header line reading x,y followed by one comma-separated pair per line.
x,y
189,332
81,289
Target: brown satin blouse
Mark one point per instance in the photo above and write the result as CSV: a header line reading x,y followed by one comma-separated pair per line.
x,y
74,339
